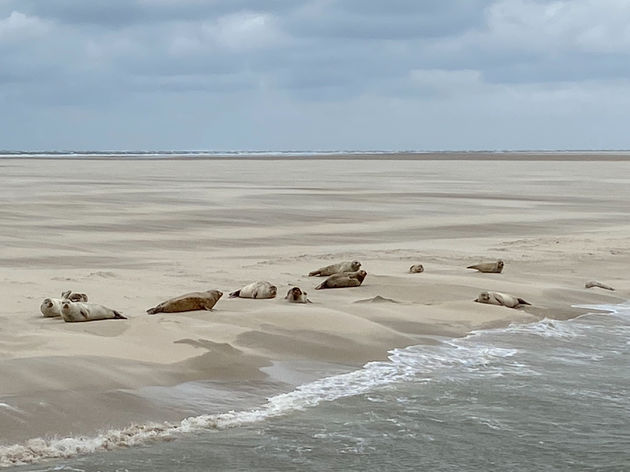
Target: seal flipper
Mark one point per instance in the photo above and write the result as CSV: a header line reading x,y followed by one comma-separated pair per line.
x,y
118,316
235,294
320,286
84,314
523,302
314,273
154,310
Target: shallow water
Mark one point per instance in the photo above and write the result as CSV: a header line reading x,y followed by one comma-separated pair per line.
x,y
554,395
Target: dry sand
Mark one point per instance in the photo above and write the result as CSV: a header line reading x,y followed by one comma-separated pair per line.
x,y
133,233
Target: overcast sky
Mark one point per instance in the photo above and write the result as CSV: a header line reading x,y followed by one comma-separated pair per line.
x,y
314,74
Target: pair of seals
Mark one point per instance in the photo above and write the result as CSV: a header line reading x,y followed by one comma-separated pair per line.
x,y
346,279
501,299
488,267
51,307
345,266
188,302
258,289
79,311
296,295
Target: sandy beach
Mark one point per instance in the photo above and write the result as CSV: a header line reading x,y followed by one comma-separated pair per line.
x,y
132,233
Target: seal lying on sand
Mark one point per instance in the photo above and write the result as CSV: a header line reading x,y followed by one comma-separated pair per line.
x,y
296,295
346,266
488,267
51,307
188,302
256,290
595,283
79,311
502,299
346,279
416,269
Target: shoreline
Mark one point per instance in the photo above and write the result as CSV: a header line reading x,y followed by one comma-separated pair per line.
x,y
131,234
550,156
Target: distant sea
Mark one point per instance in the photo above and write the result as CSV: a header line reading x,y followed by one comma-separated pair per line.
x,y
547,396
203,154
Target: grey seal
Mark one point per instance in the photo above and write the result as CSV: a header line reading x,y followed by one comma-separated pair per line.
x,y
256,290
296,295
416,269
346,279
488,267
51,307
345,266
79,311
595,283
188,302
502,299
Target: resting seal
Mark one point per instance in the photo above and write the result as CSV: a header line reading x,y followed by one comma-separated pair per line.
x,y
51,307
346,266
595,283
416,268
488,267
502,299
189,302
346,279
79,311
256,290
296,295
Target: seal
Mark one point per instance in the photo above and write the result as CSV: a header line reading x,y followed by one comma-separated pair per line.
x,y
188,302
502,299
256,290
345,266
74,297
416,269
51,307
346,279
595,283
488,267
296,295
79,311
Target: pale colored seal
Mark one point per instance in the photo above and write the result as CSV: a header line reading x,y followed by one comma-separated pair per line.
x,y
595,283
51,307
79,311
416,269
502,299
346,279
296,295
256,290
488,267
345,266
188,302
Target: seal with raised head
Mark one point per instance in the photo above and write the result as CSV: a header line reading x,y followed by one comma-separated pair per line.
x,y
259,289
296,295
79,311
416,269
488,267
188,302
502,299
51,307
345,266
595,283
346,279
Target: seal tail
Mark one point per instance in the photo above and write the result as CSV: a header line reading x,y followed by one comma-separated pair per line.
x,y
118,316
153,311
321,286
314,273
235,294
473,267
523,302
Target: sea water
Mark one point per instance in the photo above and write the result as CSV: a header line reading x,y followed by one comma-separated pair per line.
x,y
548,396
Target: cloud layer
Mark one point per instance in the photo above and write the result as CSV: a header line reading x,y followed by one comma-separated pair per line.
x,y
314,74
